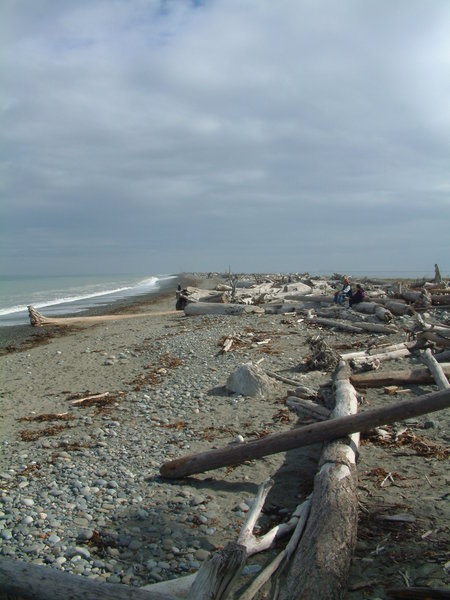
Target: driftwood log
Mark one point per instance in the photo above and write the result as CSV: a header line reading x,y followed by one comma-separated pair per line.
x,y
304,436
321,564
36,582
407,376
38,320
211,308
435,369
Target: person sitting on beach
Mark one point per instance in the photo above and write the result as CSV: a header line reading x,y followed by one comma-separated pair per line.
x,y
357,297
344,293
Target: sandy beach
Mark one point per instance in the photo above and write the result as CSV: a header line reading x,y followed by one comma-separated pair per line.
x,y
81,490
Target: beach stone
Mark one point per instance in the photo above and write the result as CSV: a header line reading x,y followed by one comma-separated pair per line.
x,y
250,380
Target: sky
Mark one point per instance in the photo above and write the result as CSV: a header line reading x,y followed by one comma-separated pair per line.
x,y
149,137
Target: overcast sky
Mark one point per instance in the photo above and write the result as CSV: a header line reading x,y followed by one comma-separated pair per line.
x,y
145,136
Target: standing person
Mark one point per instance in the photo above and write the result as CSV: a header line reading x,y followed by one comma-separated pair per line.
x,y
344,293
357,297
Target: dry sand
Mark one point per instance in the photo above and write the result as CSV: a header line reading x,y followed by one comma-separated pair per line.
x,y
406,480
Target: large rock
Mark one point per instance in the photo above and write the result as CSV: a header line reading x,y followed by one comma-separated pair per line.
x,y
250,380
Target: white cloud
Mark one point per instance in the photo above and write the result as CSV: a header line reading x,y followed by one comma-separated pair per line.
x,y
285,121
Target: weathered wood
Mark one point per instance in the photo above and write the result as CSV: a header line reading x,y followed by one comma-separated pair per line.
x,y
38,320
378,350
217,575
435,369
307,410
211,308
198,295
398,308
302,513
358,327
321,564
407,376
336,324
304,436
368,361
36,582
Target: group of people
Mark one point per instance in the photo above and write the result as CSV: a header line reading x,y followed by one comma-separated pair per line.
x,y
354,296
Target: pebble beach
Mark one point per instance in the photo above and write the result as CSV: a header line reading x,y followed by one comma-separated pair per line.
x,y
91,412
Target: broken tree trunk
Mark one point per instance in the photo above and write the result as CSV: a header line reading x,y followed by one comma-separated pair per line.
x,y
38,320
304,436
407,376
321,563
37,582
435,369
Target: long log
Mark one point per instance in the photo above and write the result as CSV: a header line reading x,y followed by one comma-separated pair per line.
x,y
407,376
37,582
435,369
321,563
38,320
304,436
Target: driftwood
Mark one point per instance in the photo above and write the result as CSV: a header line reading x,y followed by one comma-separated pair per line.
x,y
198,295
38,320
36,582
302,513
304,436
307,410
398,308
211,308
435,369
321,564
358,327
217,575
407,376
380,351
373,308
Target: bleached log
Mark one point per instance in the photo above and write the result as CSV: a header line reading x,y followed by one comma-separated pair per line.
x,y
302,514
37,582
381,351
373,359
208,308
321,564
377,327
307,410
217,575
336,324
367,308
358,327
304,436
198,295
38,320
407,377
398,308
435,333
288,307
307,391
436,369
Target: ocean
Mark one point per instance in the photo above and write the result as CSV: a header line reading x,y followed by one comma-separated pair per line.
x,y
57,295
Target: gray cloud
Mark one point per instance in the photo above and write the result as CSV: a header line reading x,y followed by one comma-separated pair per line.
x,y
271,136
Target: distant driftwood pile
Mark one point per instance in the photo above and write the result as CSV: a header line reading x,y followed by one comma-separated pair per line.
x,y
315,562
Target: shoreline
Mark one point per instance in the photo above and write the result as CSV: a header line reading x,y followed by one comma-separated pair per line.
x,y
16,338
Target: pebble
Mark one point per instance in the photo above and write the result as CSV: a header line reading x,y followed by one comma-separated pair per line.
x,y
108,492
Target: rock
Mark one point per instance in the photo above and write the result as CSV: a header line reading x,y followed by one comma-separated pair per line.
x,y
250,380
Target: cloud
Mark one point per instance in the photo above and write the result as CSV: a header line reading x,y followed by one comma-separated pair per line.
x,y
225,132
